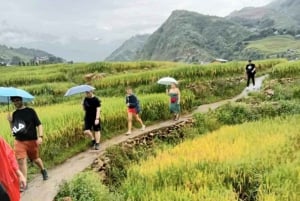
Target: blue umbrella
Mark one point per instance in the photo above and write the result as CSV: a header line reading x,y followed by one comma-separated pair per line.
x,y
7,92
79,89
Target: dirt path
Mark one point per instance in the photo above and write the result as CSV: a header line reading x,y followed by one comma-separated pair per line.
x,y
39,190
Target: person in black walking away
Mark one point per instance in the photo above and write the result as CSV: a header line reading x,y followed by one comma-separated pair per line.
x,y
28,132
250,72
92,107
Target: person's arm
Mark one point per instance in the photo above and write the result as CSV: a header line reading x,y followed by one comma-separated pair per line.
x,y
13,162
82,103
97,120
40,133
10,120
22,178
254,68
178,92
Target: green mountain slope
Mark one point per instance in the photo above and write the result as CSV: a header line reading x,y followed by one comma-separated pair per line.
x,y
9,55
128,50
274,46
192,37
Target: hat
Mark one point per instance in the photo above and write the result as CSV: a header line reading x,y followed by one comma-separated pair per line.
x,y
16,97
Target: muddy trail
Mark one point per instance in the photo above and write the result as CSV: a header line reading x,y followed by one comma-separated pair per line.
x,y
39,190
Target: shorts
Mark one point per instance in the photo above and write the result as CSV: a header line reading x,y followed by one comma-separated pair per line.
x,y
28,148
132,110
90,125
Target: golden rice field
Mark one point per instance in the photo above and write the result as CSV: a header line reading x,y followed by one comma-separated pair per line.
x,y
257,161
63,117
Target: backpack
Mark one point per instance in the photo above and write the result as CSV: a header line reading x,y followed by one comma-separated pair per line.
x,y
137,107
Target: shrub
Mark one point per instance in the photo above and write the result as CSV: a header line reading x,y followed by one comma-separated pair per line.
x,y
86,187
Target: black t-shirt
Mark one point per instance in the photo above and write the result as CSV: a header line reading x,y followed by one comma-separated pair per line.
x,y
90,106
24,123
250,67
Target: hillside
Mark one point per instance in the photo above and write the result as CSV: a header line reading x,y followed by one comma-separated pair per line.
x,y
192,37
284,46
279,15
127,51
14,56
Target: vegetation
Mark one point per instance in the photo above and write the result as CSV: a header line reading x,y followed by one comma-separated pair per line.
x,y
226,162
62,120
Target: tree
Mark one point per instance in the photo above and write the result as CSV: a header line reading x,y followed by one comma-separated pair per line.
x,y
15,60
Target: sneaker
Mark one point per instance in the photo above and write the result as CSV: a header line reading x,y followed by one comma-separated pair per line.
x,y
93,142
253,87
97,146
143,127
128,133
45,174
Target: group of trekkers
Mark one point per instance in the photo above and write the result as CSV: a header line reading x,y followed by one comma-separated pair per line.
x,y
28,132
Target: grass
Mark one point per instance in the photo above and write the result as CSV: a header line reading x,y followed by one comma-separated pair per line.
x,y
276,44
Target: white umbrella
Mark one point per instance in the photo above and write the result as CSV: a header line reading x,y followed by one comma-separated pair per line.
x,y
167,81
79,89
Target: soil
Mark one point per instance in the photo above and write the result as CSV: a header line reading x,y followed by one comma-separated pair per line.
x,y
39,190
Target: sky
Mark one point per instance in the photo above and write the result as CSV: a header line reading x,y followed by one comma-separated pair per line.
x,y
74,29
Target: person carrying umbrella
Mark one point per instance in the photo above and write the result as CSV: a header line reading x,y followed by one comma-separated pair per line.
x,y
133,109
28,132
174,106
92,107
11,178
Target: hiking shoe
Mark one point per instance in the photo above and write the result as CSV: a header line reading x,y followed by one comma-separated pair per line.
x,y
93,142
97,146
143,127
45,174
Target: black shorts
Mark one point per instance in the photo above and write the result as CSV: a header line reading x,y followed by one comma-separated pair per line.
x,y
90,125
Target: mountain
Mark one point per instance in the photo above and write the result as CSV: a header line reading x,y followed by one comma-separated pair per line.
x,y
128,50
191,37
16,56
247,33
281,15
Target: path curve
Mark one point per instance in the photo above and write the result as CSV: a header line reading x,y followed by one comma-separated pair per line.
x,y
39,190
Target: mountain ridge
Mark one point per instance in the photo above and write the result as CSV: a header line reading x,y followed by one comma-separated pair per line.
x,y
193,37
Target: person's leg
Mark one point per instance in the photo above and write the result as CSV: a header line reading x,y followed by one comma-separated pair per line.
x,y
23,166
137,117
253,79
88,132
20,149
129,119
33,154
248,79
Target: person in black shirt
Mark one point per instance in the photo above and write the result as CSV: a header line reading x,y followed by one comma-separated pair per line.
x,y
250,72
28,132
92,106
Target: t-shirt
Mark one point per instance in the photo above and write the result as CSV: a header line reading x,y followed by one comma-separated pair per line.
x,y
132,100
24,123
90,106
250,67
